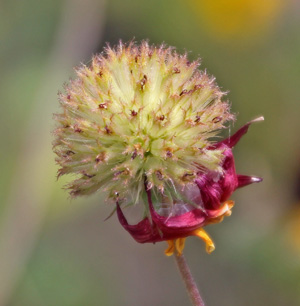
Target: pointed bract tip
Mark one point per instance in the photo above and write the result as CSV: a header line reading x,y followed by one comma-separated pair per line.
x,y
259,119
235,138
256,179
244,180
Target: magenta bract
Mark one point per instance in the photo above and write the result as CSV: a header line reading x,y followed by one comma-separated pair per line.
x,y
214,192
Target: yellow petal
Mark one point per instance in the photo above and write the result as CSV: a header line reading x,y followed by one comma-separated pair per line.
x,y
179,243
171,248
201,233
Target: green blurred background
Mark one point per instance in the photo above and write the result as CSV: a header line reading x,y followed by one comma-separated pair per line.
x,y
54,251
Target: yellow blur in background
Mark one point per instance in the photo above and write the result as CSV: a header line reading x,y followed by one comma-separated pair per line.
x,y
229,20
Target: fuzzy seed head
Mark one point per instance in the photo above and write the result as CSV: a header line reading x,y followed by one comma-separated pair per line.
x,y
136,115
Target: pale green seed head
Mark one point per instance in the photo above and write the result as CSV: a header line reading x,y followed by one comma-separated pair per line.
x,y
139,114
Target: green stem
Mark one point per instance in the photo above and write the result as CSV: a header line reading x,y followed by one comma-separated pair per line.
x,y
188,280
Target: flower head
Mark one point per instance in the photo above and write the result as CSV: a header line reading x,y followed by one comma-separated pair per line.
x,y
140,123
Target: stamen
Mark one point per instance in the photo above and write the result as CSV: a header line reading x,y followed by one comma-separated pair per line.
x,y
201,233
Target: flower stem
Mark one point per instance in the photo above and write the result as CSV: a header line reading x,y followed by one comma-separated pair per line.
x,y
184,269
188,280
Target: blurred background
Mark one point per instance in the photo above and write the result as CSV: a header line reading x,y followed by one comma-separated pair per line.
x,y
54,251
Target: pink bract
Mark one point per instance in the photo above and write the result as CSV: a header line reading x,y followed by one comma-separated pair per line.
x,y
214,192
